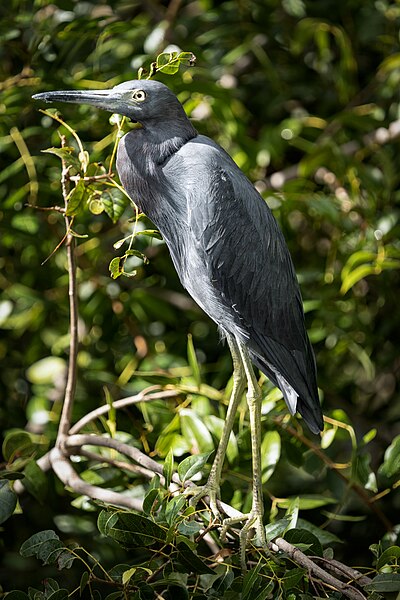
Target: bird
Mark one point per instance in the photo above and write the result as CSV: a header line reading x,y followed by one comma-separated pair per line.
x,y
230,256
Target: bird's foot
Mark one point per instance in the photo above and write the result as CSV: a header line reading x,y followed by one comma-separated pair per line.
x,y
210,490
253,529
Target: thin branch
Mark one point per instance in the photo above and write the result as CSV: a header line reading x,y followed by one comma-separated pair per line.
x,y
339,569
62,467
304,561
74,442
143,396
66,414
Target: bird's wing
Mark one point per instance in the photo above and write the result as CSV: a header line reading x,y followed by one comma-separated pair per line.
x,y
254,290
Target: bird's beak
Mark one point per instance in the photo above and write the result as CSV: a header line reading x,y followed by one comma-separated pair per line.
x,y
105,99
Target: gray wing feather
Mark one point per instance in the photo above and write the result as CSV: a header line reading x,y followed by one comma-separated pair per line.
x,y
251,273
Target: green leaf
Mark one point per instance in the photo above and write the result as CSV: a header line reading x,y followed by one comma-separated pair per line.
x,y
195,431
325,537
153,233
193,362
132,530
251,582
298,537
173,508
277,528
191,561
17,595
114,203
292,578
151,501
8,501
76,199
168,467
216,425
189,527
84,581
391,463
47,547
308,501
106,521
66,154
384,583
388,556
115,267
192,465
270,454
35,481
18,444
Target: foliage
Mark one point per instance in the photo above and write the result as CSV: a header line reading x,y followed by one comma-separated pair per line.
x,y
304,96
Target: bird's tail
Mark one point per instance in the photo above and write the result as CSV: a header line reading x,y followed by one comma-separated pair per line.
x,y
300,394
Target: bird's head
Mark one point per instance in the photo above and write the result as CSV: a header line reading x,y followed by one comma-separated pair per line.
x,y
144,101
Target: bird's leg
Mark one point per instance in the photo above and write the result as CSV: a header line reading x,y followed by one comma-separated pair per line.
x,y
254,520
211,488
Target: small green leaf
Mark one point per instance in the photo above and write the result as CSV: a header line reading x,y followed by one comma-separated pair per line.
x,y
35,481
76,199
191,561
115,267
132,530
192,465
66,154
84,581
32,545
391,463
168,467
189,527
151,501
193,362
308,501
151,233
18,444
8,501
388,556
292,578
310,543
270,454
384,583
114,203
195,431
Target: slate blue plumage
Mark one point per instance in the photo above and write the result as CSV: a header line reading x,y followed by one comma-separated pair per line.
x,y
225,244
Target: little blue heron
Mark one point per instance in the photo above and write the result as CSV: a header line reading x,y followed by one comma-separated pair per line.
x,y
230,256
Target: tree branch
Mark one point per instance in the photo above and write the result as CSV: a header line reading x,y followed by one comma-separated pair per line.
x,y
304,561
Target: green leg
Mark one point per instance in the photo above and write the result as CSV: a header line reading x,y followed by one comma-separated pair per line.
x,y
254,520
211,488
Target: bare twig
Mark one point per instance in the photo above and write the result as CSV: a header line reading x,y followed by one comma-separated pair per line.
x,y
340,570
74,442
314,570
66,414
143,396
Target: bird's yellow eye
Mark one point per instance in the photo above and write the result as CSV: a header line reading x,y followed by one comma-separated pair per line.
x,y
139,95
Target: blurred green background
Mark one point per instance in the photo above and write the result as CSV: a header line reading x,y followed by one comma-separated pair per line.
x,y
305,97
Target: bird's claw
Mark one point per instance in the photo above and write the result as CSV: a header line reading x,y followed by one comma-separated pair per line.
x,y
199,492
253,529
